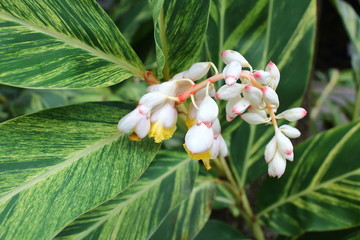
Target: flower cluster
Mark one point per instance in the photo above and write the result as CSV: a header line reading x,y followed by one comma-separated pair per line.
x,y
249,94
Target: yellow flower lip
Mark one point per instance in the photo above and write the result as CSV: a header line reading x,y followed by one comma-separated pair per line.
x,y
161,133
204,156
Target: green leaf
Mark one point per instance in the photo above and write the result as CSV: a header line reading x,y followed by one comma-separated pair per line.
x,y
320,190
59,163
143,206
264,30
62,44
180,28
215,229
186,221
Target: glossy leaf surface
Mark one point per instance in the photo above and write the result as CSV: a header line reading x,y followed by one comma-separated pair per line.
x,y
215,229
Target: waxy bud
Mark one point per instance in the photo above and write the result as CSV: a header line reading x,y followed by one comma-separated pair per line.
x,y
229,107
135,122
208,111
290,131
199,138
283,143
293,114
270,150
270,96
197,70
262,113
274,73
228,92
241,106
216,127
276,167
231,73
229,56
254,118
219,147
254,95
262,77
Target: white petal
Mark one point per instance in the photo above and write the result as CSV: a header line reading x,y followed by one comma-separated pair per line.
x,y
254,118
284,144
166,114
262,76
168,88
208,110
199,138
215,149
274,73
270,150
197,70
231,72
179,75
229,56
143,127
229,107
216,127
228,92
152,99
290,131
223,147
254,95
153,88
262,113
293,114
241,106
129,121
276,167
270,96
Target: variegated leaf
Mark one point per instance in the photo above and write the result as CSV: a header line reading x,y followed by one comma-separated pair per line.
x,y
180,28
58,163
186,221
137,212
320,190
62,44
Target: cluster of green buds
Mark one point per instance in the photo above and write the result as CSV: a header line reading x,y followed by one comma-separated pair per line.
x,y
249,94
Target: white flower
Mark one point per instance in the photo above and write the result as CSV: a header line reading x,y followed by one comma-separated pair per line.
x,y
290,131
229,56
163,122
254,118
240,106
262,77
197,70
228,92
135,122
270,96
284,144
270,150
274,74
254,95
230,115
208,111
293,114
219,147
277,165
231,72
151,100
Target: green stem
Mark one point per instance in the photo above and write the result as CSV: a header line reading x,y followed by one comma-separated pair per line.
x,y
357,105
247,156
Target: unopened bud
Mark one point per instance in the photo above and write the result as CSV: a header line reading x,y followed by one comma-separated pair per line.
x,y
241,106
270,96
197,70
228,92
208,111
179,75
283,143
293,114
229,56
231,72
254,118
276,167
229,107
262,77
274,73
290,131
270,150
254,95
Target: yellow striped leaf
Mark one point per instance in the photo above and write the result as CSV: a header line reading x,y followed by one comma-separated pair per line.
x,y
186,221
58,163
320,190
138,211
180,28
62,44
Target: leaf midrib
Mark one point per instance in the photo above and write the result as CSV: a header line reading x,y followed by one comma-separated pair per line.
x,y
58,167
75,43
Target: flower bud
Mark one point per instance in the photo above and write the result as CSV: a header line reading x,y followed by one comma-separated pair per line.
x,y
270,96
231,73
274,73
245,80
216,128
241,106
262,113
283,143
129,121
208,111
276,167
229,107
290,131
219,147
228,92
179,75
293,114
270,150
197,70
262,77
254,95
254,118
199,139
229,56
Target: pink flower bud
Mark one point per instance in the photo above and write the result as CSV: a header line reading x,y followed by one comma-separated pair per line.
x,y
228,92
283,143
241,106
208,111
229,56
262,77
254,118
274,73
254,95
197,70
229,107
270,96
293,114
199,138
219,147
276,167
231,72
270,150
290,131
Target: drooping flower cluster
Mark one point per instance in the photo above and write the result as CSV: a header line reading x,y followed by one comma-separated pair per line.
x,y
249,94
